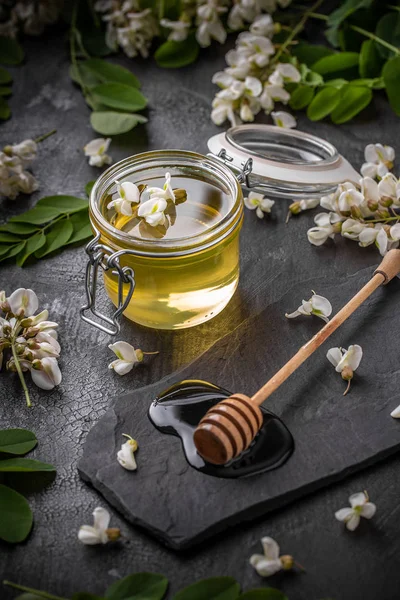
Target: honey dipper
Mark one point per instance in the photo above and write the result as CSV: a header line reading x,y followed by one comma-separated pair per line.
x,y
230,426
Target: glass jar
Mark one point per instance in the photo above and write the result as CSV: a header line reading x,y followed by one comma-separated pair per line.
x,y
168,282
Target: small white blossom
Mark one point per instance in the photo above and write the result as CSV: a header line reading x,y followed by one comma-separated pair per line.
x,y
26,151
345,361
23,302
127,357
351,229
179,29
284,73
256,49
126,456
165,192
316,305
209,24
327,225
128,194
259,203
360,507
396,413
98,533
349,198
262,25
379,160
388,187
283,119
267,564
46,373
96,151
153,211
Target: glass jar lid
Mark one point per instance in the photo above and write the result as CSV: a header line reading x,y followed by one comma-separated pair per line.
x,y
282,163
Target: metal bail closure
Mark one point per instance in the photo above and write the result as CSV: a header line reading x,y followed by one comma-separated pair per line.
x,y
242,174
103,256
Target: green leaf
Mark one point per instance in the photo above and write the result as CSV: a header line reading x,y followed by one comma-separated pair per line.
x,y
8,237
16,516
339,15
24,465
353,100
36,216
139,586
63,204
11,52
11,251
309,54
336,83
119,95
214,588
391,77
81,76
17,441
336,62
19,228
89,187
30,247
301,97
82,229
5,91
107,72
114,123
5,76
388,29
57,236
370,60
263,594
5,110
323,103
172,55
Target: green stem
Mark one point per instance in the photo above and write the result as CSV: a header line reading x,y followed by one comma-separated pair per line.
x,y
45,136
20,373
72,46
383,220
23,588
376,39
296,30
319,16
393,7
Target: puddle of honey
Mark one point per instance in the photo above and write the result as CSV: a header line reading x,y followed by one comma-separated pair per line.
x,y
178,410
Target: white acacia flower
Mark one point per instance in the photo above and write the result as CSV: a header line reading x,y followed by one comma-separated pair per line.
x,y
96,151
256,48
27,183
165,192
387,237
179,29
331,201
345,361
271,94
348,198
284,73
263,25
316,305
327,225
46,373
283,119
396,413
126,456
238,65
259,203
388,187
128,194
209,24
360,507
379,160
98,533
26,151
351,229
222,110
48,346
23,302
127,357
270,562
153,211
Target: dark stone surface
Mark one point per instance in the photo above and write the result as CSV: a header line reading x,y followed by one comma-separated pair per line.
x,y
334,436
276,261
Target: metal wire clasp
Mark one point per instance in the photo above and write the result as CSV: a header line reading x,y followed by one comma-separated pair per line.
x,y
103,256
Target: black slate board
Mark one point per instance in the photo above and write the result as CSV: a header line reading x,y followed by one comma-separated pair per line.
x,y
334,435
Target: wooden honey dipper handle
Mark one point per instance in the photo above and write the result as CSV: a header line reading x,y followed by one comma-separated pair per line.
x,y
229,427
389,268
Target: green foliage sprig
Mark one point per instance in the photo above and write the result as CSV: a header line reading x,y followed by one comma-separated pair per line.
x,y
54,223
11,54
151,586
16,515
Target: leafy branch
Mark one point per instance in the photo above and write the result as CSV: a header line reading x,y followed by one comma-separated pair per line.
x,y
17,518
55,222
152,586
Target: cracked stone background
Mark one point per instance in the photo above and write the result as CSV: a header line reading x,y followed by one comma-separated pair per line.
x,y
339,564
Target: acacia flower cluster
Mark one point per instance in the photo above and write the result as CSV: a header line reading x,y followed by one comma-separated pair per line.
x,y
14,178
30,16
152,211
254,79
28,341
367,212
